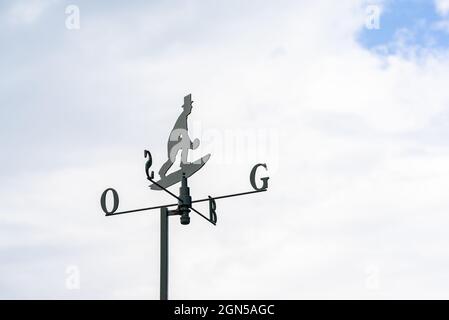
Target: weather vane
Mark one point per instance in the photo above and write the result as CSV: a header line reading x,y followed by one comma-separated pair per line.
x,y
178,141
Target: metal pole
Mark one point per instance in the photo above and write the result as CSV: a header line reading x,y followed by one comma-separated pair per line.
x,y
164,254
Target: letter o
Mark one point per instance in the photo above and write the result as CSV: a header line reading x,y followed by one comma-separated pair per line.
x,y
103,201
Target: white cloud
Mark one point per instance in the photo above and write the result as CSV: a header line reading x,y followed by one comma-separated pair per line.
x,y
442,7
26,12
442,25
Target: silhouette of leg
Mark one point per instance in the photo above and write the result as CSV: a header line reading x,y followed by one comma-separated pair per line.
x,y
165,167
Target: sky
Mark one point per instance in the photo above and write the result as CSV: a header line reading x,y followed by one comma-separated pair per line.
x,y
418,22
345,101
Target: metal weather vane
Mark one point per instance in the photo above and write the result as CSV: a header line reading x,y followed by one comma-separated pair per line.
x,y
179,141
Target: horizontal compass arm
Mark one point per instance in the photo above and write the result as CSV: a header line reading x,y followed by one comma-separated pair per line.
x,y
194,201
229,195
143,209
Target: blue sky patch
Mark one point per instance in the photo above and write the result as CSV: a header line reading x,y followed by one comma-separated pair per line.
x,y
416,22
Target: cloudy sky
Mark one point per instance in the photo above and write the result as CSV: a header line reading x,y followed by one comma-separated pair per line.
x,y
346,101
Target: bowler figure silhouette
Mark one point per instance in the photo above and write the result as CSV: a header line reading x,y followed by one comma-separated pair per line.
x,y
179,139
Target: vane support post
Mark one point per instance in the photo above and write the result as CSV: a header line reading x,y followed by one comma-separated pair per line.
x,y
164,254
